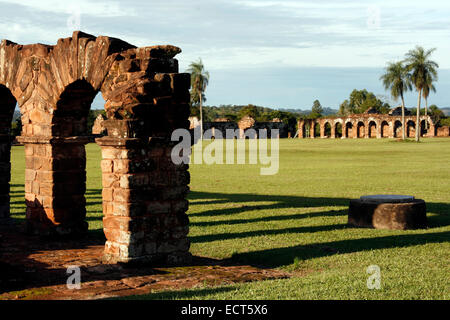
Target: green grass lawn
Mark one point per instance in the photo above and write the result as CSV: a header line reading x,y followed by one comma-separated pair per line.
x,y
296,220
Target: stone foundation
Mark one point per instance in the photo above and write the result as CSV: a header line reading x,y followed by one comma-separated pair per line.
x,y
388,215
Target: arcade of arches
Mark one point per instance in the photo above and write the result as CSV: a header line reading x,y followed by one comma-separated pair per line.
x,y
144,193
364,126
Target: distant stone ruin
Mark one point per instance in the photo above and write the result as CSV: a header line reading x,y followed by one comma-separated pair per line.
x,y
144,193
99,125
247,127
366,125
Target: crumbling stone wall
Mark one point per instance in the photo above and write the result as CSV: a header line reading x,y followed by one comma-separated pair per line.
x,y
366,125
98,128
443,131
144,193
243,125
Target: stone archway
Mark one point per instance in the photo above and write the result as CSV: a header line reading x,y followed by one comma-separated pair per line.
x,y
410,129
372,129
338,130
348,129
7,105
397,129
144,193
316,129
327,129
384,127
360,130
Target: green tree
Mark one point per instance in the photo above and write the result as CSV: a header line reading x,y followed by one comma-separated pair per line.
x,y
423,71
16,127
316,110
429,86
199,82
397,79
250,110
436,114
362,100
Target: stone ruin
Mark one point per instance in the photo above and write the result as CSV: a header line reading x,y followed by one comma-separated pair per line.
x,y
365,125
247,127
99,126
144,193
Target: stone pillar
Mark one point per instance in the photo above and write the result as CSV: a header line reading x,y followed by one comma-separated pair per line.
x,y
322,130
5,176
55,184
333,131
144,201
355,130
311,130
391,129
300,125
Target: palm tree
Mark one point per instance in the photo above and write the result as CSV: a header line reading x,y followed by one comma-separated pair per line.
x,y
422,70
398,81
199,81
425,93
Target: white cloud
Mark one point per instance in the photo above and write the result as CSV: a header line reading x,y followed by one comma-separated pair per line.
x,y
86,7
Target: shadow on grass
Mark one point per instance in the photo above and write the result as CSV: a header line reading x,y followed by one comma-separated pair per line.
x,y
331,213
240,235
272,258
440,217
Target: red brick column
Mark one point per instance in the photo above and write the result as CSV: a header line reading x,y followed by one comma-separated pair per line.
x,y
144,201
5,176
55,184
300,124
322,129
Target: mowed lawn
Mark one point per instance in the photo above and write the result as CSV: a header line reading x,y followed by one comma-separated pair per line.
x,y
296,220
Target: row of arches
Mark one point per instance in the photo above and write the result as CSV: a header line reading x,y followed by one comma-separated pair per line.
x,y
363,129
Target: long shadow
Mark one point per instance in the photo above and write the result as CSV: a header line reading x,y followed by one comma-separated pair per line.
x,y
272,258
264,258
331,213
250,203
240,235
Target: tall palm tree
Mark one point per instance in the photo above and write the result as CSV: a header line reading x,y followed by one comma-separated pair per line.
x,y
425,93
422,70
397,79
199,81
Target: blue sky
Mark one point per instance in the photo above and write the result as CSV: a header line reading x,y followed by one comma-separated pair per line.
x,y
273,53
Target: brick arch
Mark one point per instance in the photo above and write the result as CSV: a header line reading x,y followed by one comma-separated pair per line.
x,y
410,128
145,98
360,129
372,127
327,129
384,129
349,129
7,105
397,128
338,128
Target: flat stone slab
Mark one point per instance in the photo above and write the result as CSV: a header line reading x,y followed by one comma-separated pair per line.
x,y
395,212
387,198
33,268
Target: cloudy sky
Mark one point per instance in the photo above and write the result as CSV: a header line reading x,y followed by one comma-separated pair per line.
x,y
280,54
